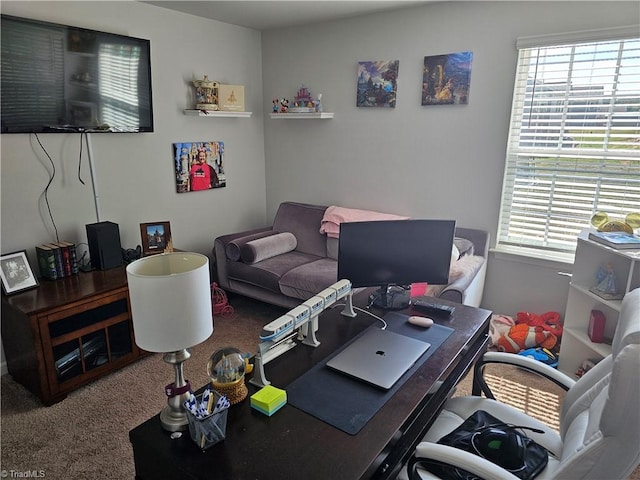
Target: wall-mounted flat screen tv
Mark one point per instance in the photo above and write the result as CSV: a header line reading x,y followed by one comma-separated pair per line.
x,y
58,78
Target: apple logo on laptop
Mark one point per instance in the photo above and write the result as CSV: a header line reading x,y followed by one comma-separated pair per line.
x,y
381,353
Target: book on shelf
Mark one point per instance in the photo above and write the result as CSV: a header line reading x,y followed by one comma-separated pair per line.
x,y
75,268
46,262
57,251
66,258
617,240
69,257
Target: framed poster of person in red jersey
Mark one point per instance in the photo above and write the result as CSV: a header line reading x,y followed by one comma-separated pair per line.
x,y
199,166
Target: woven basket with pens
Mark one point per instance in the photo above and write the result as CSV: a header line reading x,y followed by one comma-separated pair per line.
x,y
206,429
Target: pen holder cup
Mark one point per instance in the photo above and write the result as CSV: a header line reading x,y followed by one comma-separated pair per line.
x,y
208,431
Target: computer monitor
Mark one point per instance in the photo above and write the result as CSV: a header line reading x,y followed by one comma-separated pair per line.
x,y
393,254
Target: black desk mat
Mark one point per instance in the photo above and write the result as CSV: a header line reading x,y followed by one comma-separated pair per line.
x,y
346,403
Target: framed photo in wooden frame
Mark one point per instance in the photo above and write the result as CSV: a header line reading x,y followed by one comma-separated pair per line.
x,y
16,273
156,238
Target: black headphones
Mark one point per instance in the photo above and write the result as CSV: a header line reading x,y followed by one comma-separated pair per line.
x,y
502,444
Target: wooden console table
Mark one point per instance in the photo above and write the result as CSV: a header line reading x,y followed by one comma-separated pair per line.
x,y
68,332
294,444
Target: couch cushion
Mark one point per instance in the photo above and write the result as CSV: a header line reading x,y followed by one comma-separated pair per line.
x,y
267,273
332,248
232,250
467,266
263,248
304,222
465,247
305,281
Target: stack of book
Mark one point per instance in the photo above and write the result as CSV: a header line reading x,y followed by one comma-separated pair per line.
x,y
57,260
617,240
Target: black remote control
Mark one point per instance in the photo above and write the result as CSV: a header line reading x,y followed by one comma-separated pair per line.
x,y
431,307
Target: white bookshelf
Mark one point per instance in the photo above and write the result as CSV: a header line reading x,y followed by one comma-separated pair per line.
x,y
576,346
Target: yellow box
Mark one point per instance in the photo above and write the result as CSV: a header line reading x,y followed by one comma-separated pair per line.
x,y
269,400
231,98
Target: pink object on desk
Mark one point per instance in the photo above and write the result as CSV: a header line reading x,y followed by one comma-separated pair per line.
x,y
418,289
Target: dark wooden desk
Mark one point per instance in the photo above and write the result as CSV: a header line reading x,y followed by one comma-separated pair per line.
x,y
292,444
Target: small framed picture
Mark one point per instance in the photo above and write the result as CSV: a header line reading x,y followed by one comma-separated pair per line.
x,y
83,113
156,238
16,273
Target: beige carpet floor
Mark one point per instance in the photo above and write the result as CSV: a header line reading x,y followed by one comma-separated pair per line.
x,y
85,436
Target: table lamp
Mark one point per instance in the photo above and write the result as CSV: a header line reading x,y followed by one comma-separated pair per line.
x,y
170,297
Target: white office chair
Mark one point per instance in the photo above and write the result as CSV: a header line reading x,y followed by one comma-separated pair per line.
x,y
599,422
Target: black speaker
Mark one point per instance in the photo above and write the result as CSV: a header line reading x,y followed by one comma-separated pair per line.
x,y
104,245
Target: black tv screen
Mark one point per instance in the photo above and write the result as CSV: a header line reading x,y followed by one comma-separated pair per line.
x,y
395,252
58,78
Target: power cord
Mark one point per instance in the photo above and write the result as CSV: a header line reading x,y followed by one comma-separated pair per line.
x,y
365,311
46,189
84,262
52,176
82,133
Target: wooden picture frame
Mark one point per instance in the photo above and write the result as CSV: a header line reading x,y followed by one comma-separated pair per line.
x,y
16,273
156,238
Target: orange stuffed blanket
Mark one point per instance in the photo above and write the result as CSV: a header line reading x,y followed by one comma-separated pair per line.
x,y
529,331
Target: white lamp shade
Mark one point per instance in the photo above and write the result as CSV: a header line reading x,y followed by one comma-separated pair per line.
x,y
170,297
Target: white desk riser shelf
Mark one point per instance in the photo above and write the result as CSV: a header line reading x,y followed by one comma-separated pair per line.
x,y
305,116
216,113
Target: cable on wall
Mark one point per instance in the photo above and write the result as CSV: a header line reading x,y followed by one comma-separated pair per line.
x,y
46,189
80,158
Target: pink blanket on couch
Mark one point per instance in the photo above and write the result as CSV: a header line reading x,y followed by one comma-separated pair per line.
x,y
335,215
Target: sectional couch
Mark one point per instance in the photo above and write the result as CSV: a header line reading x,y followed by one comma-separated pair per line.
x,y
292,260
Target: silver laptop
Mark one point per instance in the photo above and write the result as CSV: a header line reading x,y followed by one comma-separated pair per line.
x,y
379,357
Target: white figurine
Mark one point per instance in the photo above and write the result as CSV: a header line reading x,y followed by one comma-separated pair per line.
x,y
318,103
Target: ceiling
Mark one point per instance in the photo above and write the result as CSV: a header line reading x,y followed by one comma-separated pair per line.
x,y
266,14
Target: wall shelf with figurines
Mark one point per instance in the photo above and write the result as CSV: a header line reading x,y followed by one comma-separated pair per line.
x,y
216,113
214,99
304,106
322,115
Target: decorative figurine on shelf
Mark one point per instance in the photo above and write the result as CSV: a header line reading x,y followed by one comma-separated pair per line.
x,y
318,104
206,94
585,367
303,101
606,283
303,96
284,105
275,105
601,221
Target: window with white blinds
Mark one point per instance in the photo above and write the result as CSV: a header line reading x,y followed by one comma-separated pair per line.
x,y
574,141
119,90
33,71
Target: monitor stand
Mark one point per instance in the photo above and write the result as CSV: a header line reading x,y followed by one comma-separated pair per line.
x,y
391,297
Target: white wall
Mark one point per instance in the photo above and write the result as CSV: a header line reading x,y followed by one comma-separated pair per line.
x,y
437,161
135,171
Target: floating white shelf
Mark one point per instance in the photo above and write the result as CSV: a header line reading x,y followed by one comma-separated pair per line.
x,y
306,116
216,113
